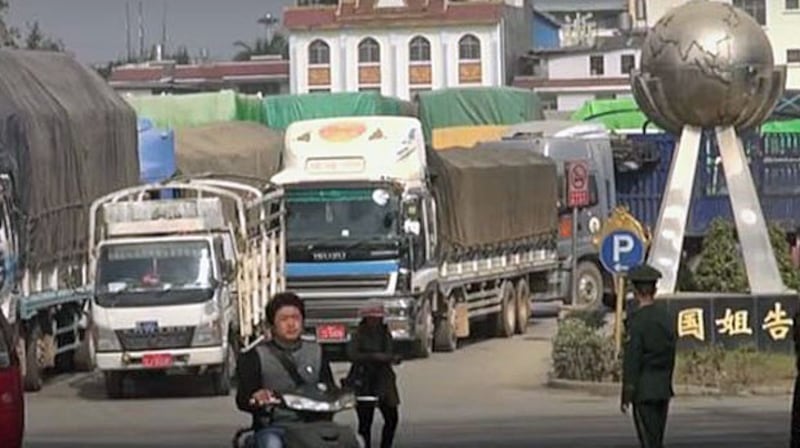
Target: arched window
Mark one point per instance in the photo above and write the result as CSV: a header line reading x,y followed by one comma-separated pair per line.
x,y
319,53
419,50
469,48
369,52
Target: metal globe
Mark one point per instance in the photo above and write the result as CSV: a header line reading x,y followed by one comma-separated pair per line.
x,y
707,64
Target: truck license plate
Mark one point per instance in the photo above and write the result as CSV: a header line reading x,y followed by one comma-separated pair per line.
x,y
331,332
159,360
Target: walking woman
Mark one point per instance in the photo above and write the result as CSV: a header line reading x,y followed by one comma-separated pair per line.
x,y
371,374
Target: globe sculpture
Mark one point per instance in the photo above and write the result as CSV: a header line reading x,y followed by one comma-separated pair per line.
x,y
709,65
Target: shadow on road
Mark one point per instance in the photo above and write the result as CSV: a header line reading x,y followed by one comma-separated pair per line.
x,y
92,388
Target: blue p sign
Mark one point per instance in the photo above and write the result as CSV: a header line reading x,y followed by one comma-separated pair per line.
x,y
621,250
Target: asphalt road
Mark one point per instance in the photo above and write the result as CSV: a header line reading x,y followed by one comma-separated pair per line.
x,y
488,394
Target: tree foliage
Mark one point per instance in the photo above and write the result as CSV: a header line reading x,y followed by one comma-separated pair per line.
x,y
278,45
33,39
721,267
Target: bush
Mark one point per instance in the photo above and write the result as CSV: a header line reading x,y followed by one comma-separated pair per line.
x,y
581,352
721,267
733,371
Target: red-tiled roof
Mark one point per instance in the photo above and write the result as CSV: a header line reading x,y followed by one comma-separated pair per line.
x,y
210,72
530,82
416,13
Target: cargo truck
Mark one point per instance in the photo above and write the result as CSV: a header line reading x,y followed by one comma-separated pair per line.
x,y
179,284
443,240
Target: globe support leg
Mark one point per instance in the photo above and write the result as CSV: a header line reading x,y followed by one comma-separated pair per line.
x,y
763,274
665,252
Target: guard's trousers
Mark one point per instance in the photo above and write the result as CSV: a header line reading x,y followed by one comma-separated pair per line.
x,y
650,419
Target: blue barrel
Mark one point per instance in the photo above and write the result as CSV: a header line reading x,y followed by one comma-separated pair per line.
x,y
156,152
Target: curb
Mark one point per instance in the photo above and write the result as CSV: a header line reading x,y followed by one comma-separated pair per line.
x,y
682,390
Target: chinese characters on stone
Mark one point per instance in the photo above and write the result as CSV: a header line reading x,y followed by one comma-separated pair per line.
x,y
776,322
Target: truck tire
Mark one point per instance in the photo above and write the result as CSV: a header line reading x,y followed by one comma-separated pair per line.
x,y
589,283
222,379
523,306
444,338
423,345
506,320
33,356
83,358
115,382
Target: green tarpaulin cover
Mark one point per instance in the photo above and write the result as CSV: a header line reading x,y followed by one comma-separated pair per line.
x,y
618,114
476,106
283,110
176,111
781,127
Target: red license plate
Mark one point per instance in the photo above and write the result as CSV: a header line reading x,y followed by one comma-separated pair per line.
x,y
331,332
157,360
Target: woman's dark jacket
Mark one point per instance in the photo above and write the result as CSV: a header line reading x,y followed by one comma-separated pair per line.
x,y
371,353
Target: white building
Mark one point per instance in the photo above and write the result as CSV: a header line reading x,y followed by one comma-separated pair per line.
x,y
567,77
780,19
399,47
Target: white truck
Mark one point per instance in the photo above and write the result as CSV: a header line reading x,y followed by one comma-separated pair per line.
x,y
443,240
180,285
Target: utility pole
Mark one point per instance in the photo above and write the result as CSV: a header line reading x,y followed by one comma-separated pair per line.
x,y
141,32
128,32
164,30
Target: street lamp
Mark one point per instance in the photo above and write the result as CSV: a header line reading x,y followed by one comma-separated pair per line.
x,y
268,20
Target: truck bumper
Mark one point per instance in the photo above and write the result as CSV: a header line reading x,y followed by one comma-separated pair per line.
x,y
320,314
183,359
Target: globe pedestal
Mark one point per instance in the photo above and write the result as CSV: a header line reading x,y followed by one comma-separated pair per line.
x,y
665,254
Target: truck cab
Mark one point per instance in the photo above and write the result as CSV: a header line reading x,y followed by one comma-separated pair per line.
x,y
165,284
564,141
359,223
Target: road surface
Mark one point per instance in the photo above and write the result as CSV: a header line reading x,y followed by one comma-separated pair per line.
x,y
487,394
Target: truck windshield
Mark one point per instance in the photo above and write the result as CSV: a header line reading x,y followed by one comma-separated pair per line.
x,y
167,269
342,213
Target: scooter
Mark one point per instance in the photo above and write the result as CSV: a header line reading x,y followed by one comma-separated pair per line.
x,y
315,404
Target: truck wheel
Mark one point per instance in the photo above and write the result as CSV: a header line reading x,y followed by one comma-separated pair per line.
x,y
423,345
83,358
507,317
222,379
589,293
114,384
444,338
34,361
523,306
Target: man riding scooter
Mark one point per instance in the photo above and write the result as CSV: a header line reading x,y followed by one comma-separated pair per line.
x,y
279,366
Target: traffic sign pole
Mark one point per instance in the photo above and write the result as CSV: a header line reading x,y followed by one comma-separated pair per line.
x,y
619,283
577,197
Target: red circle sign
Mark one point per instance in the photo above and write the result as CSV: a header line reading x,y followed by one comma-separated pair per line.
x,y
579,175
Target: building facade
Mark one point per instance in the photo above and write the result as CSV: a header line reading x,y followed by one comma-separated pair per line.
x,y
567,77
400,47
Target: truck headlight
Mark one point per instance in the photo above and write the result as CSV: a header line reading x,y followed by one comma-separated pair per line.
x,y
398,308
106,340
207,334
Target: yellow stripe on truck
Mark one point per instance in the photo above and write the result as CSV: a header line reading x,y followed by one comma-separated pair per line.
x,y
466,136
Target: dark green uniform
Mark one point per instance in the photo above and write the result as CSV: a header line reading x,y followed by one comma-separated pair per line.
x,y
648,364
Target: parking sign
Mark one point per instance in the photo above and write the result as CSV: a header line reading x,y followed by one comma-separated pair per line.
x,y
621,250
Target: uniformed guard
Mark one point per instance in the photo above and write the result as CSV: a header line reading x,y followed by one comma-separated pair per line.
x,y
649,359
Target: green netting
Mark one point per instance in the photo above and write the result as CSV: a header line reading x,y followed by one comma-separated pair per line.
x,y
617,114
250,108
781,127
477,106
196,109
283,110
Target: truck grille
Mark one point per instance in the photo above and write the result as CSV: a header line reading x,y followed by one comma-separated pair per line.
x,y
163,338
355,284
316,311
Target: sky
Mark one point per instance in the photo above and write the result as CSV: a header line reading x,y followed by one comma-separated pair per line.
x,y
94,30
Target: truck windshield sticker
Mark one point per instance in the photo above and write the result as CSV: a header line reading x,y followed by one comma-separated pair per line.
x,y
380,197
161,250
330,195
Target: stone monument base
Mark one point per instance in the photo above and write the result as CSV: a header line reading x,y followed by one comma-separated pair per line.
x,y
729,320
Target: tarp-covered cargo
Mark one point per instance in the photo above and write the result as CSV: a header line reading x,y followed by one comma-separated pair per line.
x,y
235,148
467,136
198,109
492,199
156,152
66,138
476,106
283,110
